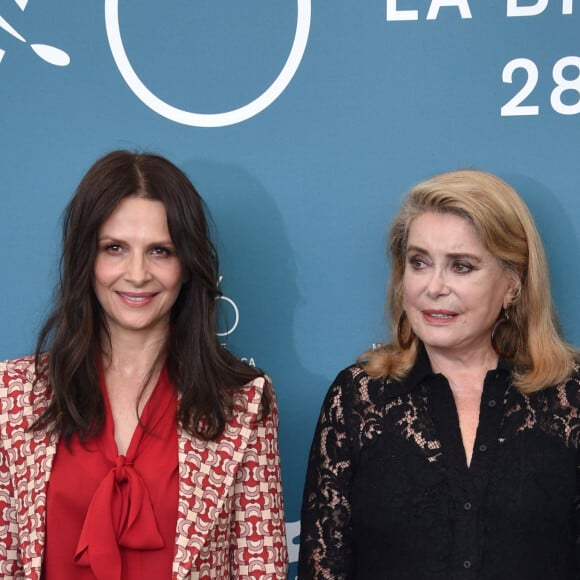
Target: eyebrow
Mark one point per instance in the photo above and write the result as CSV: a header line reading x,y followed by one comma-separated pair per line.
x,y
117,240
452,255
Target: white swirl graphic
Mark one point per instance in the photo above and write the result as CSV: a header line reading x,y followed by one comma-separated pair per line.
x,y
207,119
46,52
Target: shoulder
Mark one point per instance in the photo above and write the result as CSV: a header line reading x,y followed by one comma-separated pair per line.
x,y
351,378
252,392
250,400
17,365
17,375
21,394
354,386
567,393
554,410
354,407
354,397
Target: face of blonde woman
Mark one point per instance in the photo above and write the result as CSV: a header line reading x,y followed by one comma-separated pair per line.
x,y
453,288
137,273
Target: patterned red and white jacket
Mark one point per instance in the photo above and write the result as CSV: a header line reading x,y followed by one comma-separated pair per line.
x,y
230,521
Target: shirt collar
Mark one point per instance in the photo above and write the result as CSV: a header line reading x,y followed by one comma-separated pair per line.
x,y
422,370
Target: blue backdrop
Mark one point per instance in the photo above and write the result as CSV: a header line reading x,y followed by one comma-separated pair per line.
x,y
301,125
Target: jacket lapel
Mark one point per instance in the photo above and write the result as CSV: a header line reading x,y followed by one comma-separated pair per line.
x,y
207,470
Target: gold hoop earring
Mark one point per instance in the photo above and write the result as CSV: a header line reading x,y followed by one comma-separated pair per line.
x,y
503,325
404,343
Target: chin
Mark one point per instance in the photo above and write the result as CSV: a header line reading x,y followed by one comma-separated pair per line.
x,y
438,342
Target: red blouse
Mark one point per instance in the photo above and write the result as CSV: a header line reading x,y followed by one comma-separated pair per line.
x,y
110,516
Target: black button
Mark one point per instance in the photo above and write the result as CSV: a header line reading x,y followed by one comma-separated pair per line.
x,y
491,403
467,564
483,448
467,505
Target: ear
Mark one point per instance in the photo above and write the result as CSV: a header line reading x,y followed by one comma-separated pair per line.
x,y
514,289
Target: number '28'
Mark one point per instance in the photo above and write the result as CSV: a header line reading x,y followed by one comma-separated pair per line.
x,y
515,106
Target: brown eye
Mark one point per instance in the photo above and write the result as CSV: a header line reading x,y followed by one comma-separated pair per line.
x,y
462,267
162,252
113,248
417,263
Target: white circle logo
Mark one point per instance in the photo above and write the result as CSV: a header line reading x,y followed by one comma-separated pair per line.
x,y
236,321
208,119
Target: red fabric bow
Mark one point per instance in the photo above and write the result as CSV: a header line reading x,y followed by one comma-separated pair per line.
x,y
120,514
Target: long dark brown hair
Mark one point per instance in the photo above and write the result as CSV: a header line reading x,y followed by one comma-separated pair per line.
x,y
68,345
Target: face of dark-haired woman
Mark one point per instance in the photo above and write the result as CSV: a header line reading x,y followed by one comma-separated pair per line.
x,y
137,273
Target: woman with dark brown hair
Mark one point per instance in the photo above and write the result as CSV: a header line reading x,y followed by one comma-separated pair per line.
x,y
133,444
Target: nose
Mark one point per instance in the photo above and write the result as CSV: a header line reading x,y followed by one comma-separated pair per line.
x,y
137,271
437,285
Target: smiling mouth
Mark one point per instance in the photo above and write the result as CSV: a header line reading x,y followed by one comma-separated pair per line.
x,y
137,298
438,317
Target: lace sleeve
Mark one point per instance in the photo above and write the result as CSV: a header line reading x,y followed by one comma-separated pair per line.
x,y
577,511
326,534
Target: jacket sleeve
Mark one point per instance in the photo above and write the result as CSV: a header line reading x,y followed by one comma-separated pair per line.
x,y
326,543
259,532
10,564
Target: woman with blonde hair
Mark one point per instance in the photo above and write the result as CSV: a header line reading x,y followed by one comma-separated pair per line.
x,y
451,453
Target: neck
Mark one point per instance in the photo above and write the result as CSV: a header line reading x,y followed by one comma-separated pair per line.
x,y
464,371
131,354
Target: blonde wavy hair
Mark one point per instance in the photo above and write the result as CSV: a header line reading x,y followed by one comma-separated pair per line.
x,y
541,357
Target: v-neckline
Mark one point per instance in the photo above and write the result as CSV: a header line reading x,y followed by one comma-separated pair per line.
x,y
147,417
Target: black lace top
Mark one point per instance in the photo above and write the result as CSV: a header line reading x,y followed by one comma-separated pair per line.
x,y
389,495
